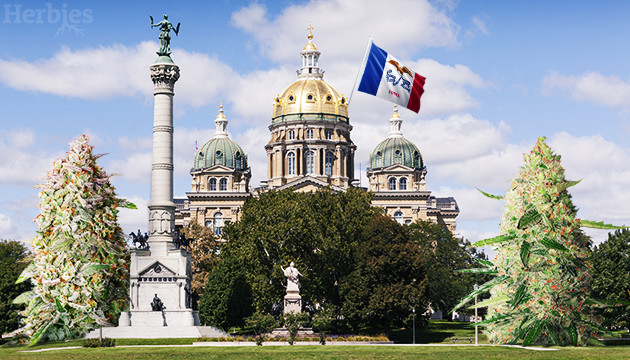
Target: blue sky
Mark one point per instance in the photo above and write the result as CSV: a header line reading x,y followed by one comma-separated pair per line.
x,y
499,74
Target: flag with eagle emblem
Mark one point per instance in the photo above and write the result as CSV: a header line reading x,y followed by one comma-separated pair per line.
x,y
387,78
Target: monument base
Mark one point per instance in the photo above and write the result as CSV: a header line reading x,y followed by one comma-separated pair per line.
x,y
160,332
146,324
292,303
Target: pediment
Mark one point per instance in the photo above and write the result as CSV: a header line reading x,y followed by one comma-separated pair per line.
x,y
220,169
308,183
157,269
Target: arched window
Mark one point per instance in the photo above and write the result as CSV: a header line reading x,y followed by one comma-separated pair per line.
x,y
209,223
309,133
223,184
379,160
218,223
416,159
329,163
291,134
392,183
291,161
397,157
329,134
310,162
237,160
213,184
398,216
402,184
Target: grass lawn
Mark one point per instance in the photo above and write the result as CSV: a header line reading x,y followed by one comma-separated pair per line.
x,y
437,332
322,352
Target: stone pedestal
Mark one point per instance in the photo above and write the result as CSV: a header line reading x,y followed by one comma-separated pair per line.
x,y
292,303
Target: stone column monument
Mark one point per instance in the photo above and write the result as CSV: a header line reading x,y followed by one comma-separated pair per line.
x,y
160,274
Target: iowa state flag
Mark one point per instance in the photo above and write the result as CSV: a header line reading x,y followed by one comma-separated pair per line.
x,y
387,78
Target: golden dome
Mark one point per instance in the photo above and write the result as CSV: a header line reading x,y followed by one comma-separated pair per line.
x,y
310,46
313,96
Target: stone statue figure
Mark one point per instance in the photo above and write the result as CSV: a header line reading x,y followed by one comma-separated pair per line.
x,y
165,35
293,282
157,304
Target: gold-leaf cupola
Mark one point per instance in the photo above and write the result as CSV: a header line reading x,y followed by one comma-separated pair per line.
x,y
310,59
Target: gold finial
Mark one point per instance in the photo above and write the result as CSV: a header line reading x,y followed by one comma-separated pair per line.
x,y
309,28
395,115
221,115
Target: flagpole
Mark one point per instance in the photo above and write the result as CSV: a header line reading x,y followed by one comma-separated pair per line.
x,y
367,50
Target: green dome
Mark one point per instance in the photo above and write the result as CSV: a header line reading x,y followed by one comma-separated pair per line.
x,y
396,150
221,151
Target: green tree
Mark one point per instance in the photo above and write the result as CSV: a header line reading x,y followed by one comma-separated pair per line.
x,y
540,293
227,299
611,276
389,279
318,231
13,260
262,324
443,253
204,250
80,267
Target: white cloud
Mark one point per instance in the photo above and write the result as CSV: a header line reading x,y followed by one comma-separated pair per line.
x,y
480,25
602,194
117,71
593,87
6,227
132,220
339,27
21,161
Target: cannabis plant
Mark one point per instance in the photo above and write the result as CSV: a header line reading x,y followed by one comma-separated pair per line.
x,y
540,290
80,267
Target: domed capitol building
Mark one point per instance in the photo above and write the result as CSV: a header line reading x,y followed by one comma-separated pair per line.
x,y
310,148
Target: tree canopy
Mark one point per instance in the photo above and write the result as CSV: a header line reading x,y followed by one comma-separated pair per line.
x,y
611,277
13,260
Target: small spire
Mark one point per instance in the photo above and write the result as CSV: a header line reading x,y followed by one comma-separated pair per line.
x,y
221,123
394,124
309,28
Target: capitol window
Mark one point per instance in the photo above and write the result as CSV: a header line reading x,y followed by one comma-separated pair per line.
x,y
291,163
291,134
223,184
398,216
402,185
213,184
397,157
329,163
218,223
310,162
238,162
329,134
309,133
392,183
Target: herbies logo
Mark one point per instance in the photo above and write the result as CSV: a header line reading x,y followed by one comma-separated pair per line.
x,y
68,19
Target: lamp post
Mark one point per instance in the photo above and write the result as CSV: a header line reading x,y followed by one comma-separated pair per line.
x,y
475,287
413,310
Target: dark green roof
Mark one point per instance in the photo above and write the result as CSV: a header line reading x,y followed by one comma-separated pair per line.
x,y
221,151
396,150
